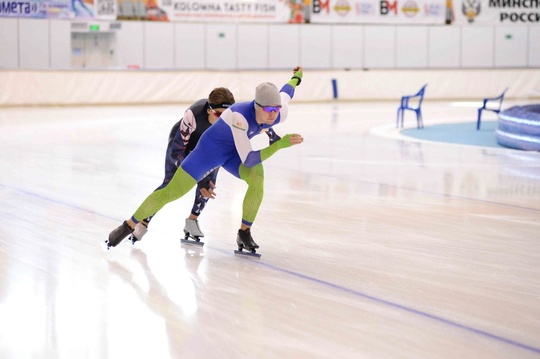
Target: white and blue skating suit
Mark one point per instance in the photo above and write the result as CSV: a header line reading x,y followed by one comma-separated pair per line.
x,y
183,138
227,142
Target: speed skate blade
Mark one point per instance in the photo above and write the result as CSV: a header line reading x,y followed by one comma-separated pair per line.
x,y
247,254
132,239
105,245
192,241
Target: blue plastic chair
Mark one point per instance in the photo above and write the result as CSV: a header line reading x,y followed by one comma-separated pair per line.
x,y
406,105
490,104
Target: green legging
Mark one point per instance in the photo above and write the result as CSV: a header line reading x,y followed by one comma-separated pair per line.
x,y
182,182
254,177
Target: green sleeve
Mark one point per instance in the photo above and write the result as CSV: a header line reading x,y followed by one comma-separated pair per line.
x,y
278,145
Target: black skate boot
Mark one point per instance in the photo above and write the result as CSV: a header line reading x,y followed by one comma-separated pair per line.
x,y
245,241
117,235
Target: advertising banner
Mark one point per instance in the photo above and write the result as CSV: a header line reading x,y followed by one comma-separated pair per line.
x,y
378,11
495,12
227,10
59,9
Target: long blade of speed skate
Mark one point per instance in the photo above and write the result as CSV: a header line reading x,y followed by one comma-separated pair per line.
x,y
192,240
246,253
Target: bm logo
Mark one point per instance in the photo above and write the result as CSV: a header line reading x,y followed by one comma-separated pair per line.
x,y
341,7
323,6
387,7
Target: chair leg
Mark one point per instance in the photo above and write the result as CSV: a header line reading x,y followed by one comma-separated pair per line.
x,y
478,121
399,117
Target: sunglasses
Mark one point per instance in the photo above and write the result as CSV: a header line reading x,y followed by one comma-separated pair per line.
x,y
216,113
269,109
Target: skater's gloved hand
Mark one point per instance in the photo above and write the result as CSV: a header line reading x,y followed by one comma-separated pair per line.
x,y
287,141
297,71
295,139
290,140
297,77
209,191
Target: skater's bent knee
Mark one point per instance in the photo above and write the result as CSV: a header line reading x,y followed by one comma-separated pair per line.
x,y
253,174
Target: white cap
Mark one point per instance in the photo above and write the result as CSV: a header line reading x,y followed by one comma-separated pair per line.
x,y
267,94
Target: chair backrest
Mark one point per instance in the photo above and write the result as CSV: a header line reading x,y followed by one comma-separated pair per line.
x,y
416,99
495,101
502,97
422,90
421,94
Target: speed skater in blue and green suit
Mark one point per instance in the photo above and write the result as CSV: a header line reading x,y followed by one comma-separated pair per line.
x,y
183,138
227,144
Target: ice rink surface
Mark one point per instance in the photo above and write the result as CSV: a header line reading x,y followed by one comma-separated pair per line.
x,y
373,245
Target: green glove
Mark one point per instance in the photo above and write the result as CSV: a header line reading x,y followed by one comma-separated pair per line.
x,y
296,79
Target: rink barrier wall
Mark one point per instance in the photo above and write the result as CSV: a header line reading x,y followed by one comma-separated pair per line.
x,y
134,87
519,127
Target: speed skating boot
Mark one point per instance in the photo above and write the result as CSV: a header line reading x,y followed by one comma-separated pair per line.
x,y
192,229
117,235
245,240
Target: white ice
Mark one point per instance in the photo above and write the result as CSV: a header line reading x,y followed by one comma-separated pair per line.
x,y
373,245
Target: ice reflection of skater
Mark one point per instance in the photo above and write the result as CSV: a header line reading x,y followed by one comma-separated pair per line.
x,y
227,144
159,302
77,4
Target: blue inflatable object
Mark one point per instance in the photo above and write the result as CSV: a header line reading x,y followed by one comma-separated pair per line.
x,y
519,128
